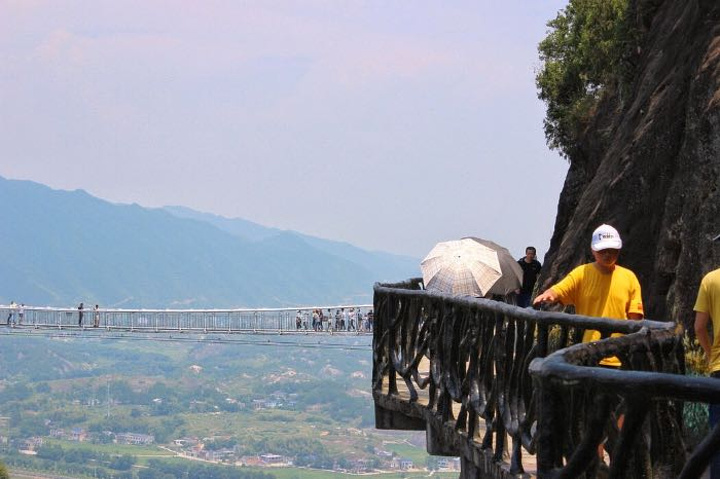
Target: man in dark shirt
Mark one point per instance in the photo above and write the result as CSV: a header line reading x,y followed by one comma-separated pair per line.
x,y
531,269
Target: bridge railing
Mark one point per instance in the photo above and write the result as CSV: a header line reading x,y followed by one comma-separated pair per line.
x,y
460,369
179,320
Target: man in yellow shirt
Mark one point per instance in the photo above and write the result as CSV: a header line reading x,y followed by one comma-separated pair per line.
x,y
601,288
707,309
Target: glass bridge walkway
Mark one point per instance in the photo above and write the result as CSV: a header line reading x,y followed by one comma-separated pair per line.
x,y
354,319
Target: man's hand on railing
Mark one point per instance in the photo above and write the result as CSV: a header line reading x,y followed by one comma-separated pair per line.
x,y
548,297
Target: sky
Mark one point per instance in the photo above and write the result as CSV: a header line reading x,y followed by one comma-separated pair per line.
x,y
391,125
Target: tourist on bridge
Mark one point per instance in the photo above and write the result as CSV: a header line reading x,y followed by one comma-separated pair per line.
x,y
321,318
305,317
707,311
298,320
81,306
531,269
315,320
351,322
11,313
21,313
96,319
362,321
326,320
338,320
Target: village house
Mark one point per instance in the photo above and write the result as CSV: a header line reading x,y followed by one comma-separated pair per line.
x,y
134,438
221,455
448,463
362,466
77,434
252,461
403,464
275,460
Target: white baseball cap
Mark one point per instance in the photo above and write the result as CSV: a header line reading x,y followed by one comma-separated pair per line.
x,y
605,237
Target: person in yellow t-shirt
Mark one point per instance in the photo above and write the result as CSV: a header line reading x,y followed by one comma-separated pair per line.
x,y
601,288
707,310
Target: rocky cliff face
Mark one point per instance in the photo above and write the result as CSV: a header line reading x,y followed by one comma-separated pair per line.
x,y
648,164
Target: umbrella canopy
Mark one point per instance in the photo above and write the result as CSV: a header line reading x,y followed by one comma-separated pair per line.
x,y
511,277
461,268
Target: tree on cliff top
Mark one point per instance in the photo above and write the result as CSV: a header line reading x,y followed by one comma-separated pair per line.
x,y
582,56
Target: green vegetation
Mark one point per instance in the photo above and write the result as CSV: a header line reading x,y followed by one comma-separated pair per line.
x,y
317,474
197,404
165,470
695,415
584,55
417,454
58,454
142,453
3,472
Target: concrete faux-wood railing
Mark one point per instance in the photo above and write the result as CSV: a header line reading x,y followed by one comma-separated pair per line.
x,y
476,374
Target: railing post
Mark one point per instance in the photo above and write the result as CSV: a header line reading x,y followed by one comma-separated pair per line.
x,y
548,456
500,363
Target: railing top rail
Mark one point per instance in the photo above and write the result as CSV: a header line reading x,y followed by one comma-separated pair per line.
x,y
569,366
529,314
89,307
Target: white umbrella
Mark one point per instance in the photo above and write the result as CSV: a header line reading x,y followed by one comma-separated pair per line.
x,y
461,267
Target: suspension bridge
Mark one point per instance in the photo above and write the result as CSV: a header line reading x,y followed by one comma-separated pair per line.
x,y
208,325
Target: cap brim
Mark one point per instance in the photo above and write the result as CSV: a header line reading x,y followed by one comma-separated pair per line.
x,y
717,238
606,245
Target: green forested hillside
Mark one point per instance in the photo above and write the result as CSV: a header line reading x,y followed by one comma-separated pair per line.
x,y
72,401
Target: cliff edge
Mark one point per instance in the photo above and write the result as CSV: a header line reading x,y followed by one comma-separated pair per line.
x,y
648,163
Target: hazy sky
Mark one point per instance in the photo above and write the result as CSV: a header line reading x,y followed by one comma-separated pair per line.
x,y
388,124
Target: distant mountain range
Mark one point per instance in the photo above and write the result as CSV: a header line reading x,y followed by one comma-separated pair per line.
x,y
63,247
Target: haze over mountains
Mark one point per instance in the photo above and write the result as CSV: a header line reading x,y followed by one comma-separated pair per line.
x,y
63,247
